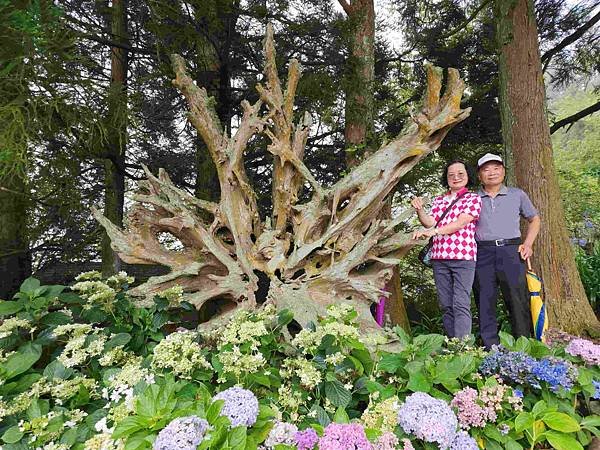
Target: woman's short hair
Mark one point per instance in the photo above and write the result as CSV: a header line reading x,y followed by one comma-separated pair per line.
x,y
471,178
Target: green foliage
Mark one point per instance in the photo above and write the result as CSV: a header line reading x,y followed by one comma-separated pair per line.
x,y
80,369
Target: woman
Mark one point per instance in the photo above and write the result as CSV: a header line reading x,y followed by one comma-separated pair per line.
x,y
454,250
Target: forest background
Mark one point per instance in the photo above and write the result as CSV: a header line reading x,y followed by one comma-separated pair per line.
x,y
86,99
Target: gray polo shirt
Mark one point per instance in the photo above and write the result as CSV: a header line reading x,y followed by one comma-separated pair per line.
x,y
500,216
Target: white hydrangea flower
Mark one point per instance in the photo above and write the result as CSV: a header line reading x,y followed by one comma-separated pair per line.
x,y
130,374
181,353
119,279
91,275
309,375
11,324
237,363
173,295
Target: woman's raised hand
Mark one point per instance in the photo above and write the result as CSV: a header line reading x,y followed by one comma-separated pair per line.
x,y
417,203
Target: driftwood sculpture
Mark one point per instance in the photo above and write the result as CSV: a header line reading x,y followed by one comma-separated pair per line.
x,y
333,248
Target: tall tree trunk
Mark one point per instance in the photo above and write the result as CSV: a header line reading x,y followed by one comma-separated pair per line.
x,y
360,114
15,259
214,76
360,78
116,122
526,136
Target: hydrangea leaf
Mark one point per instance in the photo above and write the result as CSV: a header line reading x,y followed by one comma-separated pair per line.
x,y
561,422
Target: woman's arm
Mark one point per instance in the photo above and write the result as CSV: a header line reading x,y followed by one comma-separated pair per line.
x,y
462,221
425,219
453,227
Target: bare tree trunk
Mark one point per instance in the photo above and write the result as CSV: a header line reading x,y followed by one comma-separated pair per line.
x,y
360,114
214,75
114,172
15,259
331,249
526,136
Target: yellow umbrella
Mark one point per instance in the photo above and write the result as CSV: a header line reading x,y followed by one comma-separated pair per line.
x,y
538,308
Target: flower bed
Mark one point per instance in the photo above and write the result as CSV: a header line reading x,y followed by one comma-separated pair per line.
x,y
85,369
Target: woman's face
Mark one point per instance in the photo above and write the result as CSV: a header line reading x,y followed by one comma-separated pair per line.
x,y
457,176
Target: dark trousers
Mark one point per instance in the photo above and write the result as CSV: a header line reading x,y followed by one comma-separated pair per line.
x,y
501,266
454,280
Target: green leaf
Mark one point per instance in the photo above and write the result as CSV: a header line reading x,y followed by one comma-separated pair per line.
x,y
418,382
365,358
284,317
561,422
214,411
29,285
12,435
561,441
426,344
585,376
69,437
447,370
539,408
55,370
506,340
402,335
237,438
492,432
337,394
56,318
390,362
341,416
511,444
117,340
523,421
21,361
127,427
492,445
590,421
159,319
9,308
321,415
522,344
34,411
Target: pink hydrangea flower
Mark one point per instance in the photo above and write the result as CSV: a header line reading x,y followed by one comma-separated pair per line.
x,y
347,436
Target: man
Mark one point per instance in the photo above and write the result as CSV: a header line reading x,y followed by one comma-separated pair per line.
x,y
501,254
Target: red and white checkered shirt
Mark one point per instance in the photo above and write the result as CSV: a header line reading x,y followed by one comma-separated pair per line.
x,y
460,244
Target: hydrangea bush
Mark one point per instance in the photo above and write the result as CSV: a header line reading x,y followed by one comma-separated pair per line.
x,y
83,368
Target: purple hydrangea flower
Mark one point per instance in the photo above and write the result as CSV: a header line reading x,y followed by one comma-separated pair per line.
x,y
306,439
240,407
183,433
347,436
428,418
586,350
462,441
281,433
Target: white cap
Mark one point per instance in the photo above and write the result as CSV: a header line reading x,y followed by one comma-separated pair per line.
x,y
487,158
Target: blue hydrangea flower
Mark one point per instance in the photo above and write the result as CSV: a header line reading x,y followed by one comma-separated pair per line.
x,y
183,433
512,367
596,395
240,407
428,418
556,372
462,441
518,393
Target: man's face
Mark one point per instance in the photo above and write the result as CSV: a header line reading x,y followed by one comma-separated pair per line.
x,y
492,173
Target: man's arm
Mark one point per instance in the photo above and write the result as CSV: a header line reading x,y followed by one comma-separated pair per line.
x,y
526,248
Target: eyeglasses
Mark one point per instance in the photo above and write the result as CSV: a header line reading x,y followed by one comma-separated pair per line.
x,y
457,175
